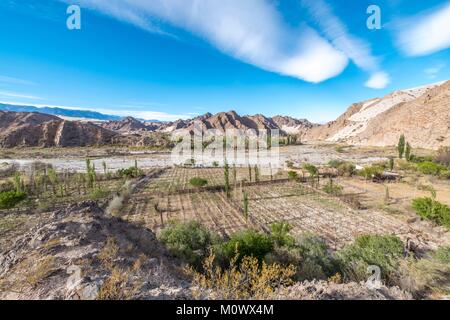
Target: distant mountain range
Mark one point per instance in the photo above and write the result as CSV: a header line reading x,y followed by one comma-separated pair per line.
x,y
80,114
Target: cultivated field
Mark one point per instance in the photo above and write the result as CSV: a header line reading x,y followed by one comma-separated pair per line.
x,y
170,197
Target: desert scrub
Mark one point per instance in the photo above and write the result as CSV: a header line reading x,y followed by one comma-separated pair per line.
x,y
188,241
429,276
371,172
443,254
310,255
116,286
345,168
40,270
430,209
198,182
430,168
293,176
333,188
240,281
98,193
118,201
9,199
382,251
280,234
248,243
109,253
131,172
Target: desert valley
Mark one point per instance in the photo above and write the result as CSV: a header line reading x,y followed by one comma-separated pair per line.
x,y
94,208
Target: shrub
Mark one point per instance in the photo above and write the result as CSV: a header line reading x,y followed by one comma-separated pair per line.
x,y
310,255
344,168
382,251
430,209
98,193
280,234
443,156
317,262
371,172
292,175
425,276
248,279
189,241
312,170
198,182
9,199
333,188
430,168
131,172
443,254
419,159
445,174
248,243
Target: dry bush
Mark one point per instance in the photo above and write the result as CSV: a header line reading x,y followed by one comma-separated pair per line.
x,y
244,281
116,204
424,277
116,286
39,271
109,253
443,156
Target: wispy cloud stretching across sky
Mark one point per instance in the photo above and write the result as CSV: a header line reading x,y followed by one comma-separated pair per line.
x,y
252,31
425,33
19,95
356,49
13,80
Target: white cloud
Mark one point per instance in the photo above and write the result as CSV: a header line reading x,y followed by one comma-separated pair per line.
x,y
378,80
426,33
19,95
249,30
356,49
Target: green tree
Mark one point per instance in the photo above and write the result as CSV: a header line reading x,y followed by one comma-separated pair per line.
x,y
391,163
104,168
256,173
227,179
408,151
401,146
245,206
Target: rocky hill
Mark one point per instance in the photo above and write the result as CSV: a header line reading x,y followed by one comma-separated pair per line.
x,y
129,124
232,120
27,129
422,114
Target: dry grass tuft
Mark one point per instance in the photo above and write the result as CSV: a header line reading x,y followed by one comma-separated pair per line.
x,y
244,281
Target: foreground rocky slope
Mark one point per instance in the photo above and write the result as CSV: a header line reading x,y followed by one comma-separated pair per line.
x,y
422,114
80,252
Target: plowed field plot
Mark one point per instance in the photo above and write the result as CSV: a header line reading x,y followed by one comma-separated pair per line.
x,y
177,178
304,208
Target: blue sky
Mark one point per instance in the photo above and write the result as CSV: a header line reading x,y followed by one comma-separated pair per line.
x,y
169,59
